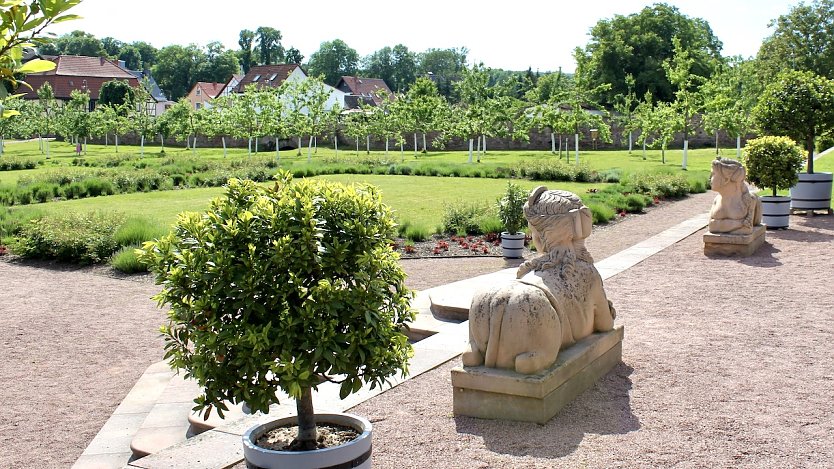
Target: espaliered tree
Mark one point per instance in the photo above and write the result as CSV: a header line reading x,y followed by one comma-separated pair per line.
x,y
687,100
624,104
423,107
140,116
799,105
274,114
74,121
728,98
46,98
472,112
576,98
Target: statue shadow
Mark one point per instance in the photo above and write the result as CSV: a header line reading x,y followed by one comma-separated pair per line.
x,y
603,409
763,257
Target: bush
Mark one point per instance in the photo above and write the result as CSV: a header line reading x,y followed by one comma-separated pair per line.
x,y
417,234
97,186
602,213
772,162
462,218
14,163
137,230
635,203
660,184
490,224
73,237
126,260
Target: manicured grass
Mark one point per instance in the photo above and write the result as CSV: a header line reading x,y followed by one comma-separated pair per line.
x,y
420,200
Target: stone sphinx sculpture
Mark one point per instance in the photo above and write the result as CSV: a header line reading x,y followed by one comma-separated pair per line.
x,y
556,300
735,209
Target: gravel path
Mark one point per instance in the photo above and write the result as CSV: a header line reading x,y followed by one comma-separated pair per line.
x,y
713,375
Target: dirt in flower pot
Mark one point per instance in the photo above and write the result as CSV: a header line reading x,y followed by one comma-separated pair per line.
x,y
329,435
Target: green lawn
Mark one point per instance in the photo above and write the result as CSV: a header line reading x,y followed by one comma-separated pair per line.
x,y
420,200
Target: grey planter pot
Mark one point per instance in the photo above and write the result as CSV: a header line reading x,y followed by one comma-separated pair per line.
x,y
812,192
776,211
355,454
513,244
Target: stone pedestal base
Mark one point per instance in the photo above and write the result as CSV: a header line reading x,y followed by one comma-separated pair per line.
x,y
492,393
728,245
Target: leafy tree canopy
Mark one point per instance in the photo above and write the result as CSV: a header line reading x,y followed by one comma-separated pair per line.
x,y
801,41
639,44
333,60
444,66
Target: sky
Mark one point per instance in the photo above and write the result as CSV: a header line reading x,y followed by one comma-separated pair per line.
x,y
514,35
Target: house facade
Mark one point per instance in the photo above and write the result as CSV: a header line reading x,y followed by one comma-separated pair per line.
x,y
203,93
274,75
364,91
230,85
73,72
158,103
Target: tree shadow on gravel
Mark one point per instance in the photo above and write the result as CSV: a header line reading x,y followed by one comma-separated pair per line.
x,y
603,409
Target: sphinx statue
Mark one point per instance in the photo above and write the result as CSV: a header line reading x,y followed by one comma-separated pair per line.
x,y
556,300
735,209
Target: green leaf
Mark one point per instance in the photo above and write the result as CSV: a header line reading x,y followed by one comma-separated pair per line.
x,y
37,66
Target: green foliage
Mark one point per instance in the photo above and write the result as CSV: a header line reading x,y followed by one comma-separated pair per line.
x,y
490,224
417,233
772,162
638,45
116,93
464,217
280,288
13,163
555,170
333,60
660,185
511,208
72,237
137,230
126,260
802,39
799,105
601,213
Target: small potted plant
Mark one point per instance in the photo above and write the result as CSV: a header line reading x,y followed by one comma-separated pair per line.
x,y
282,289
511,213
773,162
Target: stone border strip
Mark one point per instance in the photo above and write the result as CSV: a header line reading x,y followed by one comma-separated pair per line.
x,y
221,447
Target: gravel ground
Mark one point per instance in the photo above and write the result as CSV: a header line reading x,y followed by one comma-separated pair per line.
x,y
744,379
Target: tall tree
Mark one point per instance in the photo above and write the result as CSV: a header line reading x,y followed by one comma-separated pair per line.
x,y
293,56
333,60
397,66
220,64
245,40
728,99
112,46
639,44
444,66
148,53
687,100
178,68
801,41
116,93
132,57
78,43
270,49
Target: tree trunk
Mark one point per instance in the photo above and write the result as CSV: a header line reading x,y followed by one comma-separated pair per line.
x,y
470,149
484,147
46,144
306,439
299,147
116,137
357,145
716,142
335,145
663,152
386,146
630,141
553,143
310,149
478,149
250,146
424,142
809,145
194,146
142,147
685,153
316,145
85,146
162,143
576,146
402,152
277,149
223,139
738,147
256,144
367,144
415,144
40,143
644,149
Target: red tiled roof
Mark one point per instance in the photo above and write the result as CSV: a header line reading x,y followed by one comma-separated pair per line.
x,y
210,89
75,72
367,87
266,75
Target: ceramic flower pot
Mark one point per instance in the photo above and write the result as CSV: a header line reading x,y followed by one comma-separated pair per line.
x,y
354,454
812,192
513,244
776,211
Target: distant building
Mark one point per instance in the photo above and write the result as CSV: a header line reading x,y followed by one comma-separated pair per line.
x,y
203,92
273,75
160,102
230,85
364,91
74,72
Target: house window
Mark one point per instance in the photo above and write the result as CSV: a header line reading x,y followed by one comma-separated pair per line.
x,y
273,76
197,106
198,91
257,77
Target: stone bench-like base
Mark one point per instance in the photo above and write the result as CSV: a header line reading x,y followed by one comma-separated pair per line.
x,y
728,245
492,393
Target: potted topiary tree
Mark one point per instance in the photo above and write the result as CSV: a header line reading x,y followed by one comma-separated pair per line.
x,y
801,106
511,213
773,162
281,289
